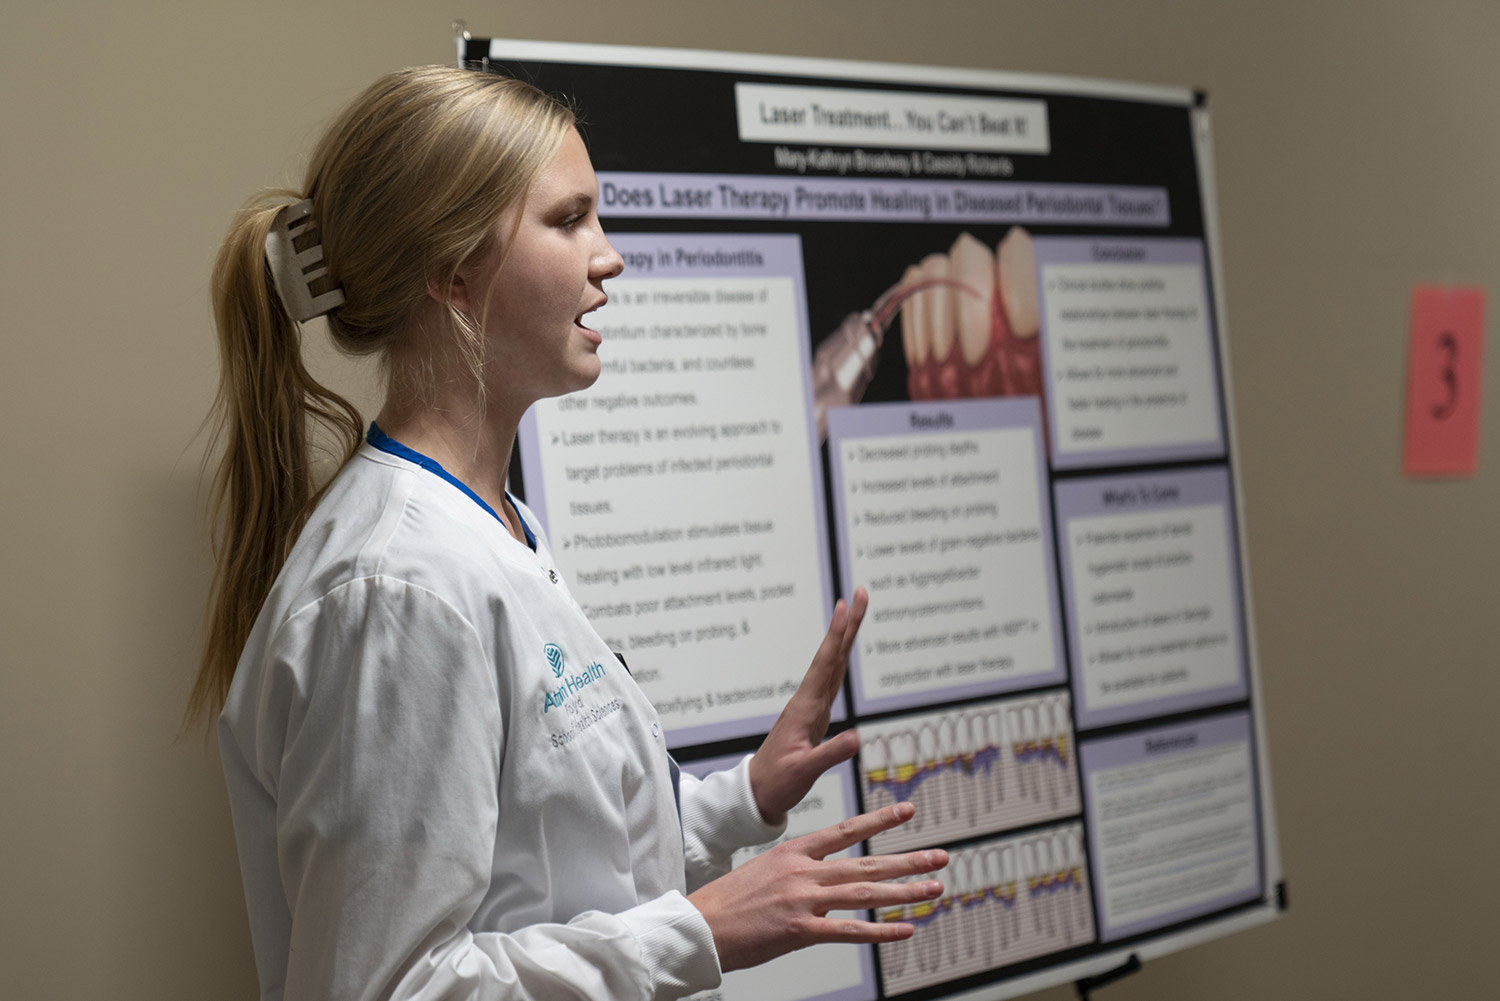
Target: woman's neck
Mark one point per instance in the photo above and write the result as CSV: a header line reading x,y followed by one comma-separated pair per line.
x,y
471,441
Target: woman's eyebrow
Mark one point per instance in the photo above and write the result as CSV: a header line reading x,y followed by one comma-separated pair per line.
x,y
579,202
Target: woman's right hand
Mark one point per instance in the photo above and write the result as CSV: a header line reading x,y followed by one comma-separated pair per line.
x,y
779,901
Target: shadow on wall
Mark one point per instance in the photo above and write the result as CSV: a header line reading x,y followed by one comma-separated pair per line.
x,y
168,846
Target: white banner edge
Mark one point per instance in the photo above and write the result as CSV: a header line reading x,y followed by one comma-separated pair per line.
x,y
842,69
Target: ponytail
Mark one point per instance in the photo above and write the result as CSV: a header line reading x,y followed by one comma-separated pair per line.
x,y
268,405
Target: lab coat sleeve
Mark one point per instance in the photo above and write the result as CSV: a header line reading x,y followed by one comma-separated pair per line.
x,y
387,797
719,817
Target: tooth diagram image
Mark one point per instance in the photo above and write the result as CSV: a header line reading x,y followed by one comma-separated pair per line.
x,y
971,328
1006,900
969,325
975,770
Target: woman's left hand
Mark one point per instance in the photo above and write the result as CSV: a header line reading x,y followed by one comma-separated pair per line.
x,y
794,753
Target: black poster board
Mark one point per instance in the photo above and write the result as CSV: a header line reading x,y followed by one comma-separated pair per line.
x,y
954,336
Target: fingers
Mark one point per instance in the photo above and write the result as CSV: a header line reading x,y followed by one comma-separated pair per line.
x,y
852,620
859,884
833,751
833,639
845,833
878,868
872,896
855,931
826,675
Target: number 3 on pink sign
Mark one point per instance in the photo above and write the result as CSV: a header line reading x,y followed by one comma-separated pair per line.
x,y
1442,388
1448,345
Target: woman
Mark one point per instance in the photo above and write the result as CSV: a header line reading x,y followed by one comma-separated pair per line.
x,y
418,814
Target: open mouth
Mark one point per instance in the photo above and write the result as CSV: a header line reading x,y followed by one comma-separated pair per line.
x,y
598,305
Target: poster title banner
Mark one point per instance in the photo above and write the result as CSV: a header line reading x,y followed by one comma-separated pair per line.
x,y
752,196
843,117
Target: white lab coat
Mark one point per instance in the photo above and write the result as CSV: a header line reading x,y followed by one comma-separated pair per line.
x,y
444,784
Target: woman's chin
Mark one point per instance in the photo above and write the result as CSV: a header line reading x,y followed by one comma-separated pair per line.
x,y
583,375
591,370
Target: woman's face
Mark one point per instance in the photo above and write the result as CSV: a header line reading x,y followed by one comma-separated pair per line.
x,y
552,275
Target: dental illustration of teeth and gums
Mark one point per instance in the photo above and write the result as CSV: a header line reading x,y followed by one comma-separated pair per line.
x,y
1005,901
969,325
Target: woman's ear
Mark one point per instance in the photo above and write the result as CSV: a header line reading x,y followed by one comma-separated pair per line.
x,y
455,292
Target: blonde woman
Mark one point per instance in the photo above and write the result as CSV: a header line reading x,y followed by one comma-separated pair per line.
x,y
414,819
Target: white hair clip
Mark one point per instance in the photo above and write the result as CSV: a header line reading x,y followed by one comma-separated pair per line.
x,y
294,271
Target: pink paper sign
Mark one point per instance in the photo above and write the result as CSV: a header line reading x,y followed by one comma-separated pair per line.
x,y
1442,380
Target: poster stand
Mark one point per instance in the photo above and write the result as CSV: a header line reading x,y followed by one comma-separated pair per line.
x,y
461,39
1086,985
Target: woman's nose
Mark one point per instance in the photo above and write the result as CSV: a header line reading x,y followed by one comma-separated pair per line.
x,y
608,263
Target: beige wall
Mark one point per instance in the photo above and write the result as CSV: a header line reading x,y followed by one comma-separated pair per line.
x,y
1359,152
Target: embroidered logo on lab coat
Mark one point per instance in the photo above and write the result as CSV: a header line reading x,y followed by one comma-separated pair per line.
x,y
555,658
572,685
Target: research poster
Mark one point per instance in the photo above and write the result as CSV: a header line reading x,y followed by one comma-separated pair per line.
x,y
954,337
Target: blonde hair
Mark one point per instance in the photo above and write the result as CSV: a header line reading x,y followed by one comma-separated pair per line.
x,y
408,185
